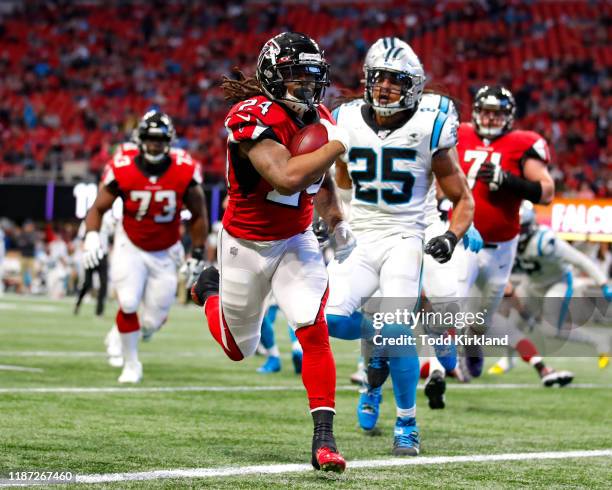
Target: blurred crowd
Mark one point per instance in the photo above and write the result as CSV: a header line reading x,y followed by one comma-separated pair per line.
x,y
78,75
46,258
39,259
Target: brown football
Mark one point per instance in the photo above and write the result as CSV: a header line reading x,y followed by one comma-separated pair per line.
x,y
308,139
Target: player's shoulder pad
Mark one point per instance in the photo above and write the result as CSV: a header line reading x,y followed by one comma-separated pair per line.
x,y
182,158
325,113
347,109
445,122
545,240
122,158
532,144
249,119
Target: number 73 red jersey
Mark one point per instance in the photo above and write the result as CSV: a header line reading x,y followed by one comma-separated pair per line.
x,y
256,211
496,213
151,204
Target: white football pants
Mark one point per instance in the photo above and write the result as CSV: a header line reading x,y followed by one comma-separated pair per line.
x,y
291,269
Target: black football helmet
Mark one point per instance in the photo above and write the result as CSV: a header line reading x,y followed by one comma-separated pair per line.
x,y
497,99
292,57
154,126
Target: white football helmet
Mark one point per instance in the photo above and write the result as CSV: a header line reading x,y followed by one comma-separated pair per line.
x,y
527,218
391,54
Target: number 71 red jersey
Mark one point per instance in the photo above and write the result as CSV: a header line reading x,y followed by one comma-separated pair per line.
x,y
256,211
496,213
151,204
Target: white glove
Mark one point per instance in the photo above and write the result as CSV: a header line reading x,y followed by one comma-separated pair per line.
x,y
336,133
191,270
93,252
343,241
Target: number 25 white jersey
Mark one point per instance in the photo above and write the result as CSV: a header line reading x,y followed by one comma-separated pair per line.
x,y
391,167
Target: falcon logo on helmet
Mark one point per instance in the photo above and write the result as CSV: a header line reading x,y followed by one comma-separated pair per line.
x,y
392,58
154,132
493,111
295,59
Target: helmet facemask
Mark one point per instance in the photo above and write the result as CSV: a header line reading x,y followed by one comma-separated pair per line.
x,y
493,105
291,70
303,86
393,60
154,150
154,137
404,98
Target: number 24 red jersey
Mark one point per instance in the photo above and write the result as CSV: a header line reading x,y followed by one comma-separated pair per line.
x,y
151,204
496,213
255,210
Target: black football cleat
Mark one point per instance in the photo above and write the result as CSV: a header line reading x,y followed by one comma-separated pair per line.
x,y
435,387
207,285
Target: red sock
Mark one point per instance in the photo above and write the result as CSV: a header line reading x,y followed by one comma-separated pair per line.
x,y
211,310
318,366
527,349
424,370
127,322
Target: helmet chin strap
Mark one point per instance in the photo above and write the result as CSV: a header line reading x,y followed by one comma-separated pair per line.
x,y
489,132
298,105
154,159
387,111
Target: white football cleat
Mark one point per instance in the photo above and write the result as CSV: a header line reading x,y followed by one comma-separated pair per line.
x,y
112,341
561,378
359,377
132,373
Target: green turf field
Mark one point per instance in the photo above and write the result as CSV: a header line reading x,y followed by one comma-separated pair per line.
x,y
254,419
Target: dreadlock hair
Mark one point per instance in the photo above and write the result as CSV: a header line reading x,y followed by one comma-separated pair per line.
x,y
238,87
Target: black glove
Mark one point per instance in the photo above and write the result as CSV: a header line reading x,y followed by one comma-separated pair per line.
x,y
497,179
492,175
441,247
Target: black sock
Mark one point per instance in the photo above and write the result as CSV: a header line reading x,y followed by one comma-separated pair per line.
x,y
539,367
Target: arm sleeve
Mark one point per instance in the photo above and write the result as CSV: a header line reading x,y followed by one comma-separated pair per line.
x,y
245,126
196,178
538,150
446,123
564,251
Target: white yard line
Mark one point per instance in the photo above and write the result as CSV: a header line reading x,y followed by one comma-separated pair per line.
x,y
363,464
9,367
57,353
232,389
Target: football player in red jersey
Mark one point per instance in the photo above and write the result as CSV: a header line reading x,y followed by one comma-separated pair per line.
x,y
266,243
503,167
154,181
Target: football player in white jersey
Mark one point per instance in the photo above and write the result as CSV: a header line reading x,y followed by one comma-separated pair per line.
x,y
399,139
440,288
548,286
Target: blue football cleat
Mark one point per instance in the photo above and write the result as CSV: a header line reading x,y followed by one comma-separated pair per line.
x,y
406,440
296,357
272,365
369,408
